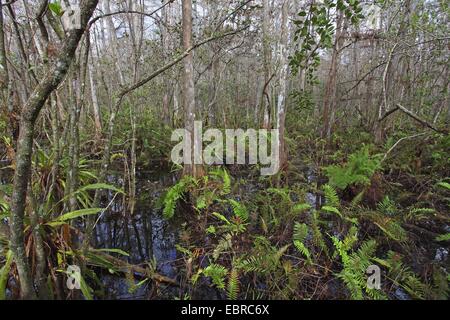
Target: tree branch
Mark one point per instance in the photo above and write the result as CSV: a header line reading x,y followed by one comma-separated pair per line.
x,y
412,115
94,20
175,61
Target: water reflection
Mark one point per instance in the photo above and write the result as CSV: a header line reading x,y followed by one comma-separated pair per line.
x,y
145,235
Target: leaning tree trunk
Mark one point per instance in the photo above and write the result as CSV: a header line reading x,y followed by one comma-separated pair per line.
x,y
29,115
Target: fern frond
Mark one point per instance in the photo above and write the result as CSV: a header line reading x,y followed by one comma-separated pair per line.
x,y
282,192
359,169
402,276
352,284
443,237
392,229
353,273
223,245
300,231
417,214
332,210
350,239
226,180
440,285
252,264
389,225
239,210
387,206
444,185
303,249
415,287
300,207
331,196
217,273
226,189
317,233
233,285
299,236
174,194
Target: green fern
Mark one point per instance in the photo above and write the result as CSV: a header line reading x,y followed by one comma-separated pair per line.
x,y
418,214
226,180
390,227
351,238
443,237
267,258
402,276
332,210
239,210
233,284
174,194
299,236
358,170
252,264
217,273
223,245
282,192
300,231
440,285
415,287
331,197
355,264
300,207
387,207
444,185
317,232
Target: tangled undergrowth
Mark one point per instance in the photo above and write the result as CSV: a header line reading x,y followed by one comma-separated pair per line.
x,y
312,232
262,239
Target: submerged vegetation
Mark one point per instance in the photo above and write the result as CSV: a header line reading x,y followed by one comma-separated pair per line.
x,y
92,207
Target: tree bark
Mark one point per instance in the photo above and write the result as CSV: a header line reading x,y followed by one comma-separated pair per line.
x,y
267,57
95,105
166,80
114,45
5,81
282,96
329,103
192,169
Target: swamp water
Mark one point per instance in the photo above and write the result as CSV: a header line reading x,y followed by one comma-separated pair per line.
x,y
149,238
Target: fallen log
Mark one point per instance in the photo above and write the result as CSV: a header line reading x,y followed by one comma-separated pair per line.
x,y
125,267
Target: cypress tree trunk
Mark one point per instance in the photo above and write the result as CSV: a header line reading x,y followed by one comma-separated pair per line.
x,y
193,169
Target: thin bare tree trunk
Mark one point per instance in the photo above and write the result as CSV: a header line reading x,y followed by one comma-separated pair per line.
x,y
95,105
267,55
166,49
192,169
4,77
282,96
114,45
6,104
329,103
